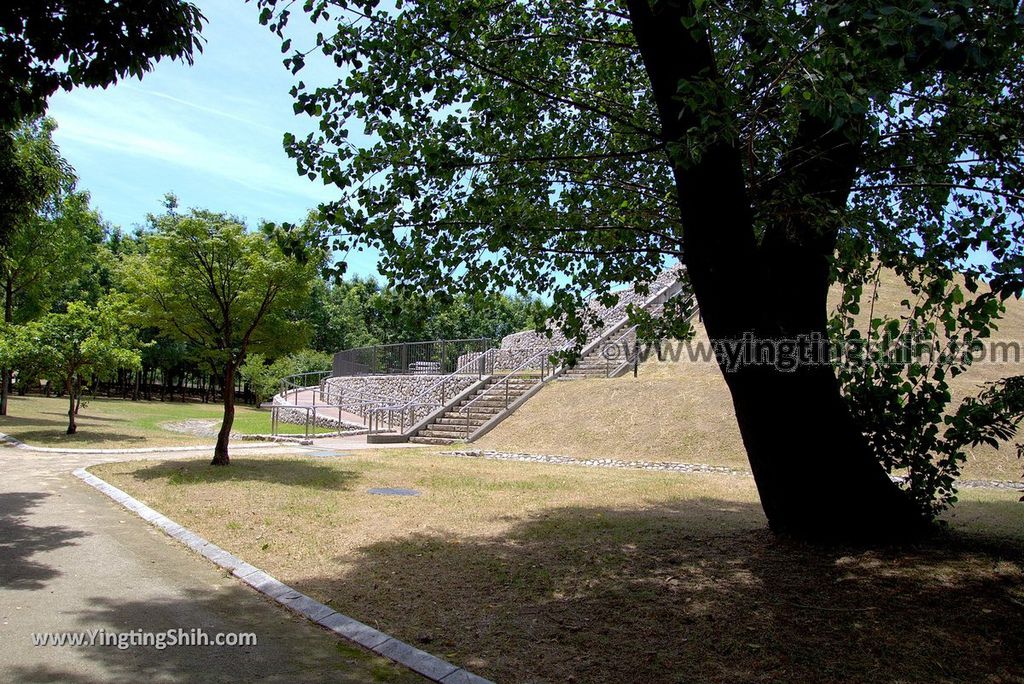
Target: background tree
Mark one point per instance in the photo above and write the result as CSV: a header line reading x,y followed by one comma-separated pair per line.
x,y
265,377
51,44
84,339
555,145
51,232
206,280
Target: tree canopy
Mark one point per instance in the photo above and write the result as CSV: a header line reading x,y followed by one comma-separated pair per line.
x,y
82,340
51,44
206,280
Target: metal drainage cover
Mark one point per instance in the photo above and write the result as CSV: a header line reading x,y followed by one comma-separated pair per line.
x,y
393,491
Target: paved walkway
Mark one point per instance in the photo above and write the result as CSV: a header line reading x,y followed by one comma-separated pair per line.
x,y
71,559
308,397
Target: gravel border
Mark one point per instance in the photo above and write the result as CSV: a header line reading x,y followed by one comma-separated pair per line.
x,y
671,466
428,665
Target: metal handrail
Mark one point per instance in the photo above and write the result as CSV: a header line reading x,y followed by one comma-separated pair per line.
x,y
544,363
631,359
483,363
310,411
288,383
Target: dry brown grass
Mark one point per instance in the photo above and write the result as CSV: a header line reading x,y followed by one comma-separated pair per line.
x,y
531,572
683,412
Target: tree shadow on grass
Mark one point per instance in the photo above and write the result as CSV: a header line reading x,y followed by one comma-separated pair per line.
x,y
286,471
288,648
39,430
85,437
53,415
20,540
693,590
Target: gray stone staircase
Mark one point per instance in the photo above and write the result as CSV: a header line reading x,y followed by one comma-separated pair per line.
x,y
488,401
611,355
601,361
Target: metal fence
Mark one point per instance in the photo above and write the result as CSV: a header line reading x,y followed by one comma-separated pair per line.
x,y
435,357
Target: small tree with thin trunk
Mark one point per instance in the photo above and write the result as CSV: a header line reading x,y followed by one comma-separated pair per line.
x,y
84,341
205,279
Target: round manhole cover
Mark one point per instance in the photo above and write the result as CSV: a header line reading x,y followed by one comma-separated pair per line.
x,y
393,491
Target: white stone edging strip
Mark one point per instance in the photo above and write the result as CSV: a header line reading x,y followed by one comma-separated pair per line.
x,y
18,444
428,665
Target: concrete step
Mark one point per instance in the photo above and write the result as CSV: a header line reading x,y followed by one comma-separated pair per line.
x,y
496,398
430,431
474,412
461,420
431,440
488,403
483,407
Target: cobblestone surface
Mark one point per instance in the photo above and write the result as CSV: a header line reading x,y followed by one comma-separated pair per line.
x,y
200,427
670,466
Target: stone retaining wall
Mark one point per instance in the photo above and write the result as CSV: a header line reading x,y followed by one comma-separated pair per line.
x,y
354,392
298,417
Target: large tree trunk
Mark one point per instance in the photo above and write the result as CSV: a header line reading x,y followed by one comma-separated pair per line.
x,y
220,454
814,470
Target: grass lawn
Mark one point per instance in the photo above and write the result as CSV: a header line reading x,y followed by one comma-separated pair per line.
x,y
533,572
112,423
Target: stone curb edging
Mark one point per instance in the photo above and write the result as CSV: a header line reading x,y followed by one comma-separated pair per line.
x,y
18,444
421,662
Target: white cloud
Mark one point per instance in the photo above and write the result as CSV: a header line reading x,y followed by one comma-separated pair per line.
x,y
133,122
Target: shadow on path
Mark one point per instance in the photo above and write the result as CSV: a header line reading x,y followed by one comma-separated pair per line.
x,y
20,540
288,649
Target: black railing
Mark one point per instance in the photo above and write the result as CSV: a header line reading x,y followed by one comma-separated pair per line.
x,y
436,357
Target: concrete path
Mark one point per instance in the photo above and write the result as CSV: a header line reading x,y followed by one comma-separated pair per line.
x,y
72,560
308,397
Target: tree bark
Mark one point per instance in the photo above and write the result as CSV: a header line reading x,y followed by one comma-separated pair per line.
x,y
220,454
5,373
815,473
72,408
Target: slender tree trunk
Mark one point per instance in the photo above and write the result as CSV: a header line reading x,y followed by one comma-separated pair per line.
x,y
5,373
220,454
815,473
72,406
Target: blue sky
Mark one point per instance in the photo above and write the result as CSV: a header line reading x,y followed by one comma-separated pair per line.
x,y
210,133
